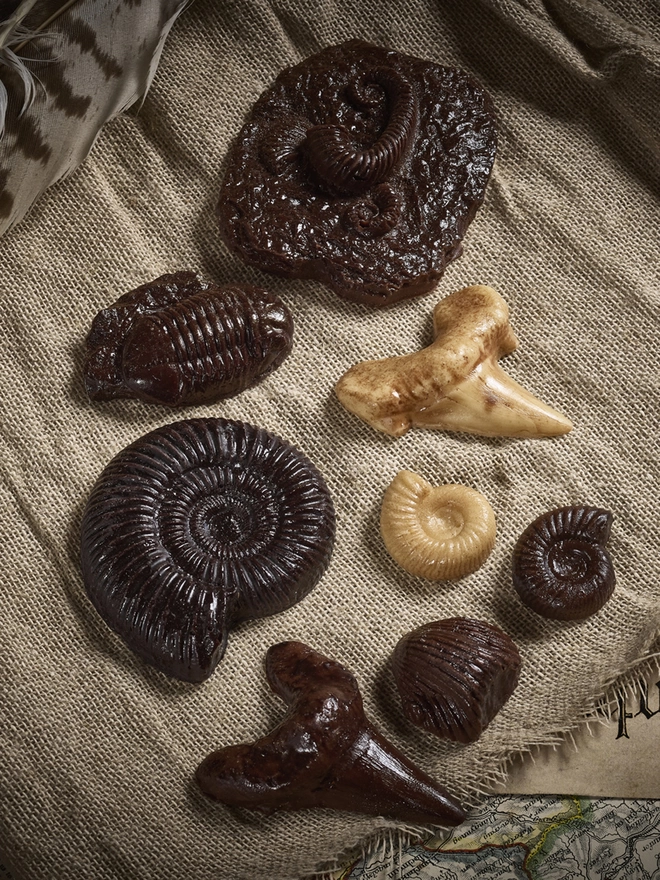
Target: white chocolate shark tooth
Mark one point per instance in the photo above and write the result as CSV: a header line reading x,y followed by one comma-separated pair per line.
x,y
456,383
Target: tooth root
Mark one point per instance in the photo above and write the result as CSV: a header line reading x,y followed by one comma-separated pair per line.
x,y
489,402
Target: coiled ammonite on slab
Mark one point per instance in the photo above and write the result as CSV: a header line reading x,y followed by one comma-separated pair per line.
x,y
179,340
561,568
361,168
441,532
197,526
454,676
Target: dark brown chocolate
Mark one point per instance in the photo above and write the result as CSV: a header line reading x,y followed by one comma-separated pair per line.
x,y
197,526
454,676
325,753
179,340
561,568
361,168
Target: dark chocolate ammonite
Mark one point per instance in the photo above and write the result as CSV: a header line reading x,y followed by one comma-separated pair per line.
x,y
362,168
561,568
454,676
180,340
196,526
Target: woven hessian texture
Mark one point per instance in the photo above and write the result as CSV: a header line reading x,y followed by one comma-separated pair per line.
x,y
98,751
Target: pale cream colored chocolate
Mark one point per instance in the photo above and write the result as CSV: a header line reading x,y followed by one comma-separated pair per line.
x,y
440,533
456,383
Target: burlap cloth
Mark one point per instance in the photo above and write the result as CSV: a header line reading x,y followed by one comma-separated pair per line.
x,y
98,750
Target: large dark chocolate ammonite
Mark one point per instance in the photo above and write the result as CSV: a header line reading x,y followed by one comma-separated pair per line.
x,y
180,340
454,675
197,526
361,168
561,568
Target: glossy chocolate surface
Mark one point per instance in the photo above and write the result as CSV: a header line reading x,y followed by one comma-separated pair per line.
x,y
179,340
197,526
361,168
454,676
561,568
325,753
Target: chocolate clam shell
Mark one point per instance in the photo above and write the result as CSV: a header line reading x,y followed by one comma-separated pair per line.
x,y
454,676
561,568
199,525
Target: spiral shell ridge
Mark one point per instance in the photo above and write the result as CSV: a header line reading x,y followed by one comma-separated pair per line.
x,y
197,526
561,568
440,533
347,169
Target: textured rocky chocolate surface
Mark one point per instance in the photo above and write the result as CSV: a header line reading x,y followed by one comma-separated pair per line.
x,y
325,753
179,340
197,526
454,676
561,568
361,168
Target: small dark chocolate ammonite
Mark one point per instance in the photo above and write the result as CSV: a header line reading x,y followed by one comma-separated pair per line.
x,y
196,526
179,340
454,676
561,568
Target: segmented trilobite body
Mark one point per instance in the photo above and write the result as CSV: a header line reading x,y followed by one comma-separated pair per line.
x,y
561,568
455,675
197,344
196,526
347,168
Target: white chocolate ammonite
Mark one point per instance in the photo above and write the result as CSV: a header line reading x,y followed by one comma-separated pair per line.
x,y
440,533
456,383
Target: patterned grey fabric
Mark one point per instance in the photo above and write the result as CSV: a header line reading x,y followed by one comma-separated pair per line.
x,y
99,750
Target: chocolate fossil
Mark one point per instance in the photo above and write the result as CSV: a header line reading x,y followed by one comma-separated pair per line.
x,y
325,753
440,533
454,676
197,526
561,568
362,168
456,383
179,340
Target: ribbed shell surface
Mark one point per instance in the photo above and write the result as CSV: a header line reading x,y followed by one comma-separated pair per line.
x,y
561,568
454,676
180,341
196,526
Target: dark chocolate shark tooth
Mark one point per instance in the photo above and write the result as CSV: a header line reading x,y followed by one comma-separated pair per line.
x,y
196,526
454,676
325,753
561,568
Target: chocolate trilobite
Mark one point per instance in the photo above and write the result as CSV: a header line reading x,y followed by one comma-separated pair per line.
x,y
325,753
561,568
179,340
455,675
197,526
